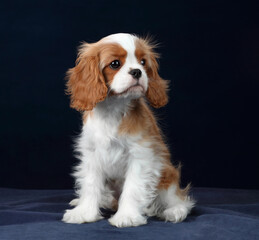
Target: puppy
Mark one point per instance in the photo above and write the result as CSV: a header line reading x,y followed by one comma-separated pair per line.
x,y
124,163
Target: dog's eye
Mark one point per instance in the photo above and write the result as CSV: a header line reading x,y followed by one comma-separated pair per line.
x,y
143,62
115,64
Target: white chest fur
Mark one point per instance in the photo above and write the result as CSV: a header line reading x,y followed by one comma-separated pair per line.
x,y
100,143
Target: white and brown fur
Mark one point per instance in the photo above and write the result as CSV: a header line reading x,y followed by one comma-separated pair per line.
x,y
124,163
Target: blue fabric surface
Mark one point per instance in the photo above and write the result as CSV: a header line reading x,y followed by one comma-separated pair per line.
x,y
219,214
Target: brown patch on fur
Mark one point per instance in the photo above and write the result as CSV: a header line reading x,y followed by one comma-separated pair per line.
x,y
113,52
88,80
157,87
172,175
169,175
140,120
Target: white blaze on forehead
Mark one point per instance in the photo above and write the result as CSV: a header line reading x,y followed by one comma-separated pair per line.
x,y
126,40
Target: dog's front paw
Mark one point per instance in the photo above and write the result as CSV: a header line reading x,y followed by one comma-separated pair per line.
x,y
127,220
80,215
175,214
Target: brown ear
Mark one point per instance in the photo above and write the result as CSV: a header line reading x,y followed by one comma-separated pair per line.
x,y
157,87
86,85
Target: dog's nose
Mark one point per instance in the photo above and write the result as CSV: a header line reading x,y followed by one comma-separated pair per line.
x,y
136,73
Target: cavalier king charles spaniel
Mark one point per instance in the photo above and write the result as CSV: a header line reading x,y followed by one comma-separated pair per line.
x,y
125,164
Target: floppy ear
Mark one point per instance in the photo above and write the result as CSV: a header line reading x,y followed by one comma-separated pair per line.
x,y
86,85
157,87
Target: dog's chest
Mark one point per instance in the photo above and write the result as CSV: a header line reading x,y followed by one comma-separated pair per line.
x,y
111,149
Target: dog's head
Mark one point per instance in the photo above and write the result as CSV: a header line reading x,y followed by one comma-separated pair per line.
x,y
120,65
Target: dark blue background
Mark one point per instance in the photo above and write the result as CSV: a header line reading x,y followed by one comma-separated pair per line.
x,y
209,52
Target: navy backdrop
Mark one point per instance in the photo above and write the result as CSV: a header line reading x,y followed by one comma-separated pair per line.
x,y
209,52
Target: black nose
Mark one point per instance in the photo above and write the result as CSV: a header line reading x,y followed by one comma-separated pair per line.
x,y
136,73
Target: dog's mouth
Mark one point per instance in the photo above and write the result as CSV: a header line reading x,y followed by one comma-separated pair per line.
x,y
134,88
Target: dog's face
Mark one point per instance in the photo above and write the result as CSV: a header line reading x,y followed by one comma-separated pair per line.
x,y
124,71
120,65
